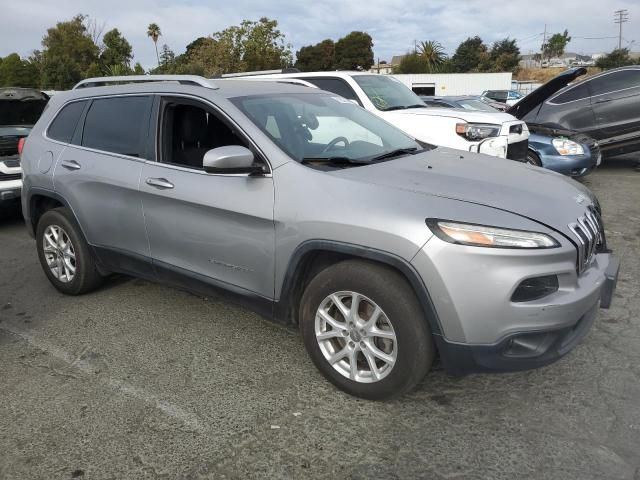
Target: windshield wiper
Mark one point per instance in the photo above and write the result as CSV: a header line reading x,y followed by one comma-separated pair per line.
x,y
404,107
394,153
417,105
333,160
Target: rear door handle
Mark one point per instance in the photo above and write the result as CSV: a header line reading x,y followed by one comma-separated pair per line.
x,y
603,100
161,183
71,165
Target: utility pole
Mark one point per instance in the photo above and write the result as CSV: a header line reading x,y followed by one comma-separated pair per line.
x,y
544,40
620,17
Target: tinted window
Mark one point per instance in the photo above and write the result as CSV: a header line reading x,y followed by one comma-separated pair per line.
x,y
117,125
334,85
615,81
65,123
578,92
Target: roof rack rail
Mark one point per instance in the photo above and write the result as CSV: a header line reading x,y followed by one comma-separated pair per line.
x,y
261,78
182,79
260,72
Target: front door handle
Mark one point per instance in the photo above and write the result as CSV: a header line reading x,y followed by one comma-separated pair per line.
x,y
71,165
603,100
161,183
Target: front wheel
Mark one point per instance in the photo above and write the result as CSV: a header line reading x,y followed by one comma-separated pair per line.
x,y
533,159
365,330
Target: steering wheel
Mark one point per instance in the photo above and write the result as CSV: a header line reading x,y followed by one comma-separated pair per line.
x,y
334,142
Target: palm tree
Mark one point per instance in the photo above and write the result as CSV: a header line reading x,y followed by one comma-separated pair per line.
x,y
153,31
432,54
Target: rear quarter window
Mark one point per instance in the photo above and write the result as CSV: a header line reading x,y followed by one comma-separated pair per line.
x,y
65,123
615,81
118,125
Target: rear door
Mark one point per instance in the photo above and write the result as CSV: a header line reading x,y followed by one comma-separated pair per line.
x,y
616,105
98,174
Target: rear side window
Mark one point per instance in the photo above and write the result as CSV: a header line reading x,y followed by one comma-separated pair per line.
x,y
118,125
578,92
615,81
334,85
65,123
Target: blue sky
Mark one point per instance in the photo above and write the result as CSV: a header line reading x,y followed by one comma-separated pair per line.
x,y
393,24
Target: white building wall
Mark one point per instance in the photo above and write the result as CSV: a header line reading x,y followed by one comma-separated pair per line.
x,y
458,83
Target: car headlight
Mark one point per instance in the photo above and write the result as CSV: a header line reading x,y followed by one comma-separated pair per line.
x,y
477,131
486,236
564,146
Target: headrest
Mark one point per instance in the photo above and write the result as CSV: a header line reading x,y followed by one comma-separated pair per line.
x,y
192,124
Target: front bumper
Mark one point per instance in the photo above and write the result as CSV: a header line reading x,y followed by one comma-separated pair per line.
x,y
482,329
10,190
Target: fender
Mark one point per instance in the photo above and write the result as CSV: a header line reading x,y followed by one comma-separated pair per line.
x,y
26,212
283,307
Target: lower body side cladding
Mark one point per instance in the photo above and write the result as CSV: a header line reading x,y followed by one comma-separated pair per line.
x,y
483,329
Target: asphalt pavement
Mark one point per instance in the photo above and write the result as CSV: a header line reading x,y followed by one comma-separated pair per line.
x,y
137,380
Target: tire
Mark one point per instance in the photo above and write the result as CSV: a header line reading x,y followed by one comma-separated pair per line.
x,y
401,315
76,272
533,159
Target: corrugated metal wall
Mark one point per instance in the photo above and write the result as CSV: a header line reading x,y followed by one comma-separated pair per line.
x,y
458,83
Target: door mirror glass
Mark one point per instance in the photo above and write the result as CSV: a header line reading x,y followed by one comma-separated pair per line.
x,y
230,159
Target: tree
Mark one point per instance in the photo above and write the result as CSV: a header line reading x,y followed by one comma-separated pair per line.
x,y
263,45
117,50
412,62
555,45
503,57
16,72
319,57
69,54
469,55
153,32
617,58
354,52
432,54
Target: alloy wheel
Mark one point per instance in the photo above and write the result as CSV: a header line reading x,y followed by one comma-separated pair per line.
x,y
59,253
356,337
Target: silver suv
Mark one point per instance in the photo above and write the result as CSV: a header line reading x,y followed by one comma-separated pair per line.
x,y
385,251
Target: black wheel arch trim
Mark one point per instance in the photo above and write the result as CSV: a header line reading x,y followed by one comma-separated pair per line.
x,y
283,306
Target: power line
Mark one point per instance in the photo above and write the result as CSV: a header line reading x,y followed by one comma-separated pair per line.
x,y
620,17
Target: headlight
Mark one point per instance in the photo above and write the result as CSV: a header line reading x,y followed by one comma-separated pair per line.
x,y
477,131
485,236
564,146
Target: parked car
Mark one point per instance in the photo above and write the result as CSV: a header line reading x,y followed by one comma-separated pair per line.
x,y
606,107
508,97
466,102
383,250
563,151
493,133
20,108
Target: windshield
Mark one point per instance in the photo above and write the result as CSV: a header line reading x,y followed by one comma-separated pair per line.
x,y
388,93
477,105
310,126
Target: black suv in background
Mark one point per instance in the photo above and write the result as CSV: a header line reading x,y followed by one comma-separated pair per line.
x,y
605,107
20,109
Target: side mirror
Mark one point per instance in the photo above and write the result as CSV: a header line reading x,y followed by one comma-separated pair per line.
x,y
230,159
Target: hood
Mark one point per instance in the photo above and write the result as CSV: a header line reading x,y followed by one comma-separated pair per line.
x,y
542,93
532,192
461,114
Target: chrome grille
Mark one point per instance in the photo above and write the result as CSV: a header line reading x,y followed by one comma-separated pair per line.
x,y
590,237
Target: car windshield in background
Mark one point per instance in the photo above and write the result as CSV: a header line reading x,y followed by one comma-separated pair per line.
x,y
476,105
325,128
387,93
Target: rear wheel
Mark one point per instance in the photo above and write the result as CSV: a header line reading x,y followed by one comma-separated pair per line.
x,y
533,159
64,254
365,330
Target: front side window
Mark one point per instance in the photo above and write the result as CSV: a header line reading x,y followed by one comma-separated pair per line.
x,y
64,125
578,92
118,125
387,93
321,126
613,82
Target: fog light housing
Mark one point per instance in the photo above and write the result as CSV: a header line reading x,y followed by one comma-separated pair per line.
x,y
535,288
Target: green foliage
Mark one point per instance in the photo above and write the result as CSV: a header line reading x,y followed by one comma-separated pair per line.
x,y
16,72
69,54
320,57
432,54
354,52
153,32
469,55
503,57
556,44
617,58
412,62
117,50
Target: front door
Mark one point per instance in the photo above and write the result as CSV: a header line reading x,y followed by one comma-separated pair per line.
x,y
215,228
